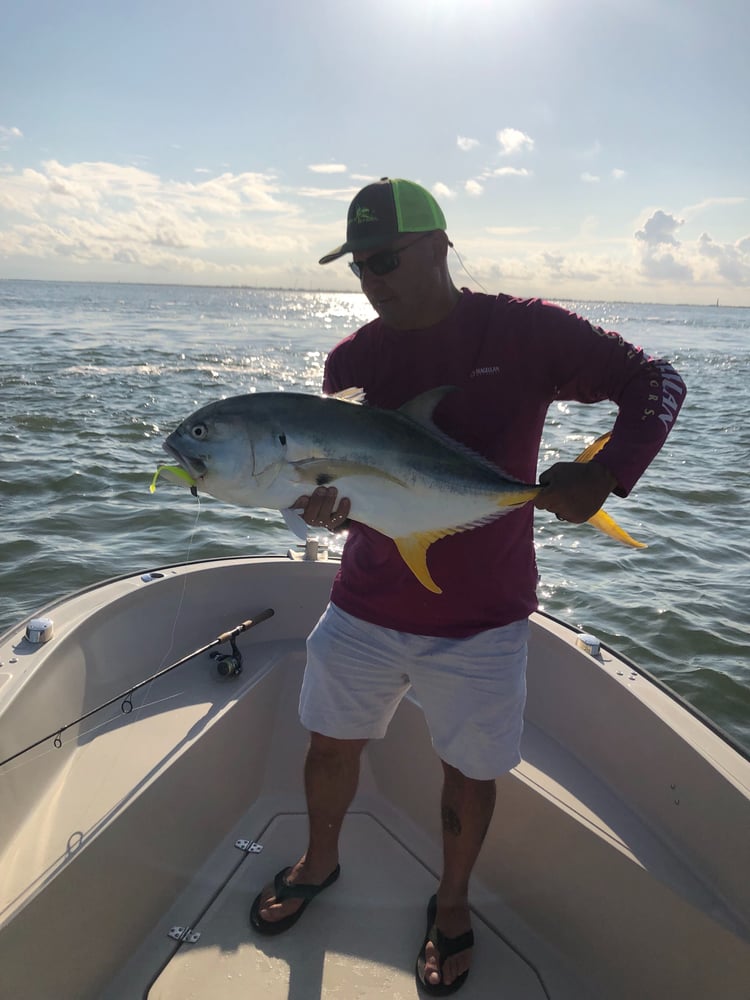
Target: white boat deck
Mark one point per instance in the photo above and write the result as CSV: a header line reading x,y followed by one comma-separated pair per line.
x,y
615,866
358,939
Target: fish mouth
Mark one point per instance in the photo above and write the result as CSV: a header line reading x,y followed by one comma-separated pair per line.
x,y
193,466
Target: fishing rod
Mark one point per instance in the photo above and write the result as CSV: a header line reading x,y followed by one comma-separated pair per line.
x,y
227,665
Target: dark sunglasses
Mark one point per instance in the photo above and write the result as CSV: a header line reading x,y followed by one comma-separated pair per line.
x,y
383,262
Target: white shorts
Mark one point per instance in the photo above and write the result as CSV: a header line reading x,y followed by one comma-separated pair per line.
x,y
472,691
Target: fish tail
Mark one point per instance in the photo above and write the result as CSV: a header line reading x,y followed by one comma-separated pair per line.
x,y
602,519
609,526
594,448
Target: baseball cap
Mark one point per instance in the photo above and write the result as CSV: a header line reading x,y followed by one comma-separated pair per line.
x,y
384,210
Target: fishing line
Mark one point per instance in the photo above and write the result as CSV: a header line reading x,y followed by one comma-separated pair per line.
x,y
468,272
180,604
184,581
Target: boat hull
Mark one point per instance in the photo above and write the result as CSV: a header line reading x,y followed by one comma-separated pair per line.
x,y
616,864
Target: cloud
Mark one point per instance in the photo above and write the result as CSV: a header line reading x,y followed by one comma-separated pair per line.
x,y
327,168
664,266
618,175
588,178
662,256
474,188
731,260
514,141
708,203
466,144
107,212
441,190
8,134
660,229
509,172
330,194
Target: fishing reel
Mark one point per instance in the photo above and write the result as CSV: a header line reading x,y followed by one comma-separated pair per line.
x,y
228,664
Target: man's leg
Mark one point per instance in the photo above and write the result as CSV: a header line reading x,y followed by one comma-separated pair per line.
x,y
331,779
467,808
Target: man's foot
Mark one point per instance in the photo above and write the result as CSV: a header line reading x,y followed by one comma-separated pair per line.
x,y
443,962
280,905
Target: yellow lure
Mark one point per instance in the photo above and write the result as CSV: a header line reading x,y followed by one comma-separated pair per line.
x,y
175,470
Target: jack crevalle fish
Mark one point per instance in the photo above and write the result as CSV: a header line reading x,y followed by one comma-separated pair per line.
x,y
404,477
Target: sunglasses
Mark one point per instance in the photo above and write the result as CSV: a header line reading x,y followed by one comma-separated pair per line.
x,y
383,262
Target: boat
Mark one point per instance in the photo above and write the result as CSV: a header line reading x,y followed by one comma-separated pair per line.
x,y
134,836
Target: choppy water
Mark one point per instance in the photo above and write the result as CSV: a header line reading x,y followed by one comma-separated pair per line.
x,y
92,378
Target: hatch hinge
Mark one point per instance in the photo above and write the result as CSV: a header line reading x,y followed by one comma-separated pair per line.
x,y
248,846
185,935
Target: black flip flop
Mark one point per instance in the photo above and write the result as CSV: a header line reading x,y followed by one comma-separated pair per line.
x,y
446,947
283,890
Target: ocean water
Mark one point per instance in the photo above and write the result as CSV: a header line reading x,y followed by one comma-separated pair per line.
x,y
94,376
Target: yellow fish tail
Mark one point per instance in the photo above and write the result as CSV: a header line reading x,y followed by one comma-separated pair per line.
x,y
601,519
609,526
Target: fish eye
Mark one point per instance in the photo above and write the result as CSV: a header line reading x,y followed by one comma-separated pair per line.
x,y
199,432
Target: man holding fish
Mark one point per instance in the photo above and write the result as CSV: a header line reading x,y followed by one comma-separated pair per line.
x,y
454,629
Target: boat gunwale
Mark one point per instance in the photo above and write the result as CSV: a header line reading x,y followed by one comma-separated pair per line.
x,y
714,727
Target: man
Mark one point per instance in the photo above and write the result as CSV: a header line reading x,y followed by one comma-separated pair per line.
x,y
463,651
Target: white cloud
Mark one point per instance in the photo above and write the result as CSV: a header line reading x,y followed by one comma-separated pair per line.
x,y
7,134
514,141
474,188
662,256
509,172
327,168
618,175
107,212
708,203
466,144
731,260
660,229
588,178
329,194
441,190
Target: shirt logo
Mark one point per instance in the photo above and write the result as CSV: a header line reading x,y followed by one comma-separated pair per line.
x,y
493,370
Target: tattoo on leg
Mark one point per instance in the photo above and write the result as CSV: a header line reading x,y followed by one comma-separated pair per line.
x,y
451,822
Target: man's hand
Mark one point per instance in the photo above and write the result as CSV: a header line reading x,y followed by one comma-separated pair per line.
x,y
574,491
320,511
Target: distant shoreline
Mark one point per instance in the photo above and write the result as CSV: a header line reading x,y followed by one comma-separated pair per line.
x,y
347,291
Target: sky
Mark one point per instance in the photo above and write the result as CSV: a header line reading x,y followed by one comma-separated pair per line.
x,y
587,149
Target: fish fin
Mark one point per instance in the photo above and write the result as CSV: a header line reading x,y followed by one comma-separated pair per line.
x,y
421,408
295,523
594,448
609,526
355,394
517,498
413,550
322,471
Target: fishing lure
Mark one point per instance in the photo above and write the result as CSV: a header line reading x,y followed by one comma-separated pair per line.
x,y
176,471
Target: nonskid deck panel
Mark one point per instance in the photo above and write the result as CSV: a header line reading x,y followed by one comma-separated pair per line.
x,y
358,939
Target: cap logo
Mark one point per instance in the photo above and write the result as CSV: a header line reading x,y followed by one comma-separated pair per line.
x,y
362,214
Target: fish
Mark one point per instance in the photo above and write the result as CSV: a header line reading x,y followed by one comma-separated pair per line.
x,y
404,477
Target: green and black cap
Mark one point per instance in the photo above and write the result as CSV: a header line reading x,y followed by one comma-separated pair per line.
x,y
384,210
